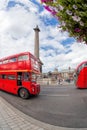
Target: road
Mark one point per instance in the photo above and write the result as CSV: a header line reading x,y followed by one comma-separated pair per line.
x,y
60,105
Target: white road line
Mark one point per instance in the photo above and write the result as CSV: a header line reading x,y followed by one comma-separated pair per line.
x,y
52,95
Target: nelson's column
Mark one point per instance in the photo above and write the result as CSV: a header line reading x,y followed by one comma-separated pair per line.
x,y
36,46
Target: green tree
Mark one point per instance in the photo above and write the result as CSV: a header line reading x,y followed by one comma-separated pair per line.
x,y
72,15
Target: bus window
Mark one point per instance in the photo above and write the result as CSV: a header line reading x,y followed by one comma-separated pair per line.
x,y
3,76
0,62
13,59
0,76
82,66
5,61
86,64
79,69
34,77
12,77
26,76
23,57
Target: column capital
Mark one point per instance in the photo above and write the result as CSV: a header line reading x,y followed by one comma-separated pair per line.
x,y
37,28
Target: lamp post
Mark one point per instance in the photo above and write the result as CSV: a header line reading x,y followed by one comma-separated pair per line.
x,y
69,73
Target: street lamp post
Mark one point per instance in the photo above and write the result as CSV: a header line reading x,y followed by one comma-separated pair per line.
x,y
69,73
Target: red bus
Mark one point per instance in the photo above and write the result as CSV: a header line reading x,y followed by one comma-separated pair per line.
x,y
80,76
18,74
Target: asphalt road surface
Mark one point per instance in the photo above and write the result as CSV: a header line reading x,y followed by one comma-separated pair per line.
x,y
60,105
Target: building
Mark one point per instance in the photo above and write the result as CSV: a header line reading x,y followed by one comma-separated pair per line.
x,y
67,74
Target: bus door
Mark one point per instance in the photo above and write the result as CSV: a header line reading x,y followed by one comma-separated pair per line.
x,y
19,78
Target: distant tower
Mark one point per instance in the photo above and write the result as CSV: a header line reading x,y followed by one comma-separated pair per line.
x,y
36,47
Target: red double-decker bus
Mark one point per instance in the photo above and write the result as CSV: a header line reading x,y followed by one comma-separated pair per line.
x,y
80,76
18,74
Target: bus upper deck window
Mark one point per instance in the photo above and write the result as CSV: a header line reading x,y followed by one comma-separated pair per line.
x,y
23,57
86,64
0,62
13,59
5,61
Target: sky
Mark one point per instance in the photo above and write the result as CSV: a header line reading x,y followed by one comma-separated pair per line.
x,y
18,18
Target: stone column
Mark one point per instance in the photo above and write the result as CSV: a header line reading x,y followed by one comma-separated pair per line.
x,y
36,47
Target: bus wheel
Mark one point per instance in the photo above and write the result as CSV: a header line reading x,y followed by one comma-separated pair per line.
x,y
23,93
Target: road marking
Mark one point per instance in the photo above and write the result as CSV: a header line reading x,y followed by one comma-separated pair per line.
x,y
52,95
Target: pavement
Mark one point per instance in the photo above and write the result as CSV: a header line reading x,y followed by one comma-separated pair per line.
x,y
13,119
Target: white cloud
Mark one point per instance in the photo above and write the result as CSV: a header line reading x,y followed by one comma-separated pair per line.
x,y
17,35
16,30
64,60
3,4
